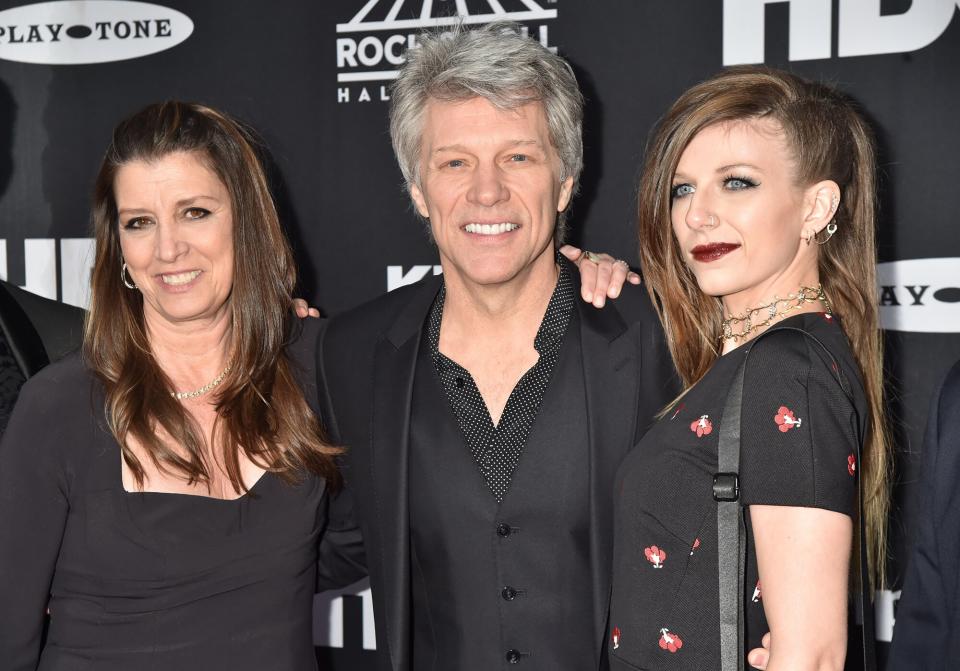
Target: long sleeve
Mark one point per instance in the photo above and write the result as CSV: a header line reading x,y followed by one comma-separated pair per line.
x,y
33,513
342,557
925,617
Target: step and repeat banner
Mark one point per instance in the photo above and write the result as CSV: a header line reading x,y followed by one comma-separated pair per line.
x,y
314,79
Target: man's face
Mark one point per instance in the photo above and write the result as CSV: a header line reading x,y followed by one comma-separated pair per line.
x,y
490,187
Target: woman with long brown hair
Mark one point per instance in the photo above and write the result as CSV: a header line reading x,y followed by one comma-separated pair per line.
x,y
167,488
757,216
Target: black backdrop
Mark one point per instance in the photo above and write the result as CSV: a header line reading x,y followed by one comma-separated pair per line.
x,y
311,77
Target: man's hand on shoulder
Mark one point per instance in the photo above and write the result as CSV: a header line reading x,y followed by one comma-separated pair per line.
x,y
601,275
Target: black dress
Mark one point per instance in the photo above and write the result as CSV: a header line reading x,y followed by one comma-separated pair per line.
x,y
798,444
144,580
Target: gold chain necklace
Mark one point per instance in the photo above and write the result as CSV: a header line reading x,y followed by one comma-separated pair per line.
x,y
772,310
180,395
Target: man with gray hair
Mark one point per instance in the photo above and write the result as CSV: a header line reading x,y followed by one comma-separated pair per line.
x,y
485,411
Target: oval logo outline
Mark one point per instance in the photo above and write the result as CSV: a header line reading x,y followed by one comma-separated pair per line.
x,y
924,310
52,33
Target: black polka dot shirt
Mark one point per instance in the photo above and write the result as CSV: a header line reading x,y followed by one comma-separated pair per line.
x,y
497,448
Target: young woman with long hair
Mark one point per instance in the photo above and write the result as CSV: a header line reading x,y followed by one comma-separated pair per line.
x,y
756,211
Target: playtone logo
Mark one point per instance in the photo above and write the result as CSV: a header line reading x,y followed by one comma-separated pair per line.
x,y
370,46
861,28
73,32
920,295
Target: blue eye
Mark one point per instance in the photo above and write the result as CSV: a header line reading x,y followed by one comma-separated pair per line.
x,y
681,190
455,163
518,158
738,183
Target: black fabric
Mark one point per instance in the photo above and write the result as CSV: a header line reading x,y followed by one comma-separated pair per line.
x,y
55,328
731,529
480,583
665,552
497,448
23,343
11,379
927,633
367,359
145,580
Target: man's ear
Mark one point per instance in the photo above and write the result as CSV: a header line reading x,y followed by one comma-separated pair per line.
x,y
419,201
566,192
821,201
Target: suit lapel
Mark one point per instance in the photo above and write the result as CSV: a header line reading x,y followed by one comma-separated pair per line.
x,y
395,359
611,363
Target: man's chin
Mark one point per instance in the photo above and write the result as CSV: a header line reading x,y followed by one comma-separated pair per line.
x,y
486,274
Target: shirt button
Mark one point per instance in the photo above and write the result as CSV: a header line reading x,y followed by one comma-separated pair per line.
x,y
512,656
504,530
508,593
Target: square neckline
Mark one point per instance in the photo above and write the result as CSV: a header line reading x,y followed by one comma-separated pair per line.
x,y
243,496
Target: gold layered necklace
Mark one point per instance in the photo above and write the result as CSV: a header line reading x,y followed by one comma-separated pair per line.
x,y
180,395
758,317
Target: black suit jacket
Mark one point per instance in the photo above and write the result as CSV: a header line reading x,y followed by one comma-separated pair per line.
x,y
37,329
366,360
927,631
33,332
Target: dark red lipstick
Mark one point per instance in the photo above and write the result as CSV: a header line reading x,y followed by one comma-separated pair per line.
x,y
713,251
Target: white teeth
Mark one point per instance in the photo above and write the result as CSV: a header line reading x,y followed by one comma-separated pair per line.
x,y
491,229
180,278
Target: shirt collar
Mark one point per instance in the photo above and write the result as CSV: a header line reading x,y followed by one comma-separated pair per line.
x,y
552,327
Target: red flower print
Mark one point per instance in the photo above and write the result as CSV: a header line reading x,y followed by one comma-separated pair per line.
x,y
702,426
676,412
655,556
756,593
670,641
786,419
615,637
696,544
852,464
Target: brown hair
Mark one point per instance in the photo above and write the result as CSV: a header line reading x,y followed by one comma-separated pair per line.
x,y
830,140
261,410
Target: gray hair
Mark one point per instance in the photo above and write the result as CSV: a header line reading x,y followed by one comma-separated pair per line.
x,y
495,62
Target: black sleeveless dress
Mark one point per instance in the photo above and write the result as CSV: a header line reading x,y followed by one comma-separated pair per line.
x,y
144,580
797,449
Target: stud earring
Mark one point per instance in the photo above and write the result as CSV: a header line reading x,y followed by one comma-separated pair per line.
x,y
124,273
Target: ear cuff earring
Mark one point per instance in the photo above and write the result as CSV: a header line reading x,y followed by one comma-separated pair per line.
x,y
832,226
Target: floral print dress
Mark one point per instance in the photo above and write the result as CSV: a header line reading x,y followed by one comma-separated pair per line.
x,y
799,441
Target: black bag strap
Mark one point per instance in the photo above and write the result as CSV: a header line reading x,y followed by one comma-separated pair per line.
x,y
731,530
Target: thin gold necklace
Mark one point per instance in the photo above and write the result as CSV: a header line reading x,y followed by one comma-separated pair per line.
x,y
770,311
180,395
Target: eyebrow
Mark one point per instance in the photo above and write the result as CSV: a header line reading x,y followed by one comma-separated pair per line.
x,y
727,168
183,202
722,169
511,143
